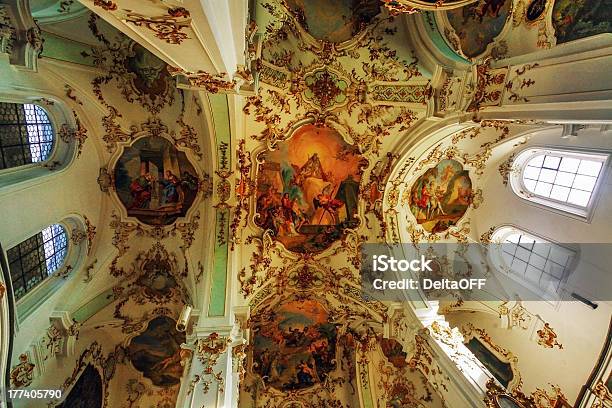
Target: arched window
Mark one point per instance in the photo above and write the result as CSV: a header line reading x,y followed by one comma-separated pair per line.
x,y
26,134
536,263
36,258
564,180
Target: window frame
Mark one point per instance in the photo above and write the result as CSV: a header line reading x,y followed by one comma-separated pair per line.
x,y
517,183
75,256
496,257
62,153
38,247
25,124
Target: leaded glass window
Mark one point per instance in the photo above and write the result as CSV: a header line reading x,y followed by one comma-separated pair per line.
x,y
26,134
36,258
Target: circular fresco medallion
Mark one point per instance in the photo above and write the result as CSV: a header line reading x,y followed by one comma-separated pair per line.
x,y
308,189
294,346
441,196
334,21
155,182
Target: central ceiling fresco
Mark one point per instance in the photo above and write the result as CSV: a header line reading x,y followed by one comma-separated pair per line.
x,y
337,86
308,189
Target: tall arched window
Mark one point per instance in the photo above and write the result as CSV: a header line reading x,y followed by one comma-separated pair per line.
x,y
536,263
36,258
560,179
26,134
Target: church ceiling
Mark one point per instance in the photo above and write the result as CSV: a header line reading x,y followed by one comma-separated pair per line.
x,y
329,105
501,29
281,200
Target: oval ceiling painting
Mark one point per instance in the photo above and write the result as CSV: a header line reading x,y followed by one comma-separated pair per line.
x,y
155,182
441,196
477,24
294,346
308,189
334,21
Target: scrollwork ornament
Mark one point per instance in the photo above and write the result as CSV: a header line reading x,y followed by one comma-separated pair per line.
x,y
22,374
168,28
208,350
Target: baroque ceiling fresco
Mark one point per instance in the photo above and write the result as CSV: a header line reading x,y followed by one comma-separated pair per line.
x,y
476,25
154,181
440,197
330,93
285,202
154,174
308,189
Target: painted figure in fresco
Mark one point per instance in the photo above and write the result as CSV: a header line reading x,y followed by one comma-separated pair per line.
x,y
348,193
574,19
477,24
441,196
295,347
308,189
189,181
157,353
328,207
141,189
489,8
147,181
171,187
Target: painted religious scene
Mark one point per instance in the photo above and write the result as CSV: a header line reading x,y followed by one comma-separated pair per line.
x,y
477,24
308,189
334,21
157,352
295,346
574,19
155,182
441,196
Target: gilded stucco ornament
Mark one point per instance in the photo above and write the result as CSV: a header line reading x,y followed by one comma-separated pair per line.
x,y
208,350
168,28
90,232
22,374
76,134
107,5
506,168
7,31
548,338
414,6
141,77
470,331
603,394
212,83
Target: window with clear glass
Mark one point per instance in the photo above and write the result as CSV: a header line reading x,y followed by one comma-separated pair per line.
x,y
26,134
560,179
36,258
563,178
541,264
